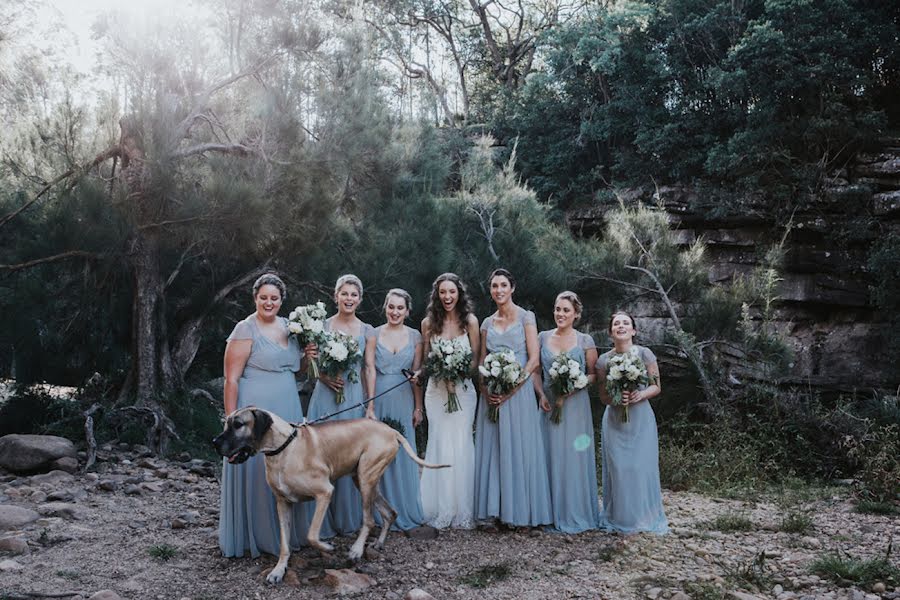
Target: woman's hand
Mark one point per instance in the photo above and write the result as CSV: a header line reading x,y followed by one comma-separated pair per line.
x,y
417,417
544,403
631,397
311,351
336,384
497,400
416,377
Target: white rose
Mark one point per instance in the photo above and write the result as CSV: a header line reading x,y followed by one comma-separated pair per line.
x,y
574,366
295,327
495,371
581,382
315,326
553,373
339,352
483,371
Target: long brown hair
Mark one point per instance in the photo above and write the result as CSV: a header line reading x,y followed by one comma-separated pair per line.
x,y
435,311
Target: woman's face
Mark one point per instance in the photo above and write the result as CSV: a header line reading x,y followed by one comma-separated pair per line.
x,y
501,290
347,299
268,301
396,310
622,328
449,295
564,313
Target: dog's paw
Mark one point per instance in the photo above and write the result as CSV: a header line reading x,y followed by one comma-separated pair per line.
x,y
322,546
355,553
275,576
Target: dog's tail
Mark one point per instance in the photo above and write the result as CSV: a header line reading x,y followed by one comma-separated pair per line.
x,y
412,453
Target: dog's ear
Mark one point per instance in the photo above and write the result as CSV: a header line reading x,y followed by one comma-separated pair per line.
x,y
261,423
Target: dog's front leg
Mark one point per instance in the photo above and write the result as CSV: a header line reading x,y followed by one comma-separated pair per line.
x,y
323,499
284,522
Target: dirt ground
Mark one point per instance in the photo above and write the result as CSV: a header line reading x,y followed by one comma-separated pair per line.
x,y
146,529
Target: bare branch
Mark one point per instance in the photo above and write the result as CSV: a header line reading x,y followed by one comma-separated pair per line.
x,y
80,171
50,259
200,105
236,149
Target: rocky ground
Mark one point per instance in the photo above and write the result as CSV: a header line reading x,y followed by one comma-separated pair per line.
x,y
145,528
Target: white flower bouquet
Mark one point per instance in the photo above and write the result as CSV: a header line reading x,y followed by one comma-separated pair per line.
x,y
339,353
308,324
625,372
502,373
566,376
449,361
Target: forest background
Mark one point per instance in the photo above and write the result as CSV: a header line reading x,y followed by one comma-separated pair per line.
x,y
401,139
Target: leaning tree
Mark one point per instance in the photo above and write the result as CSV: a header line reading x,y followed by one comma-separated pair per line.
x,y
205,162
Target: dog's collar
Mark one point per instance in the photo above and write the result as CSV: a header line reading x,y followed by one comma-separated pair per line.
x,y
280,448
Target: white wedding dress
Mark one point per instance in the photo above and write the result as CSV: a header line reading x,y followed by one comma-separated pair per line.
x,y
448,495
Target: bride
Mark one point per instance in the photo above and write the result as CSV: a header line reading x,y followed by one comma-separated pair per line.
x,y
448,494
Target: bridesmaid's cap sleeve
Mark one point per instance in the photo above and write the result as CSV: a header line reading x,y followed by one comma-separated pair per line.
x,y
242,331
586,341
528,318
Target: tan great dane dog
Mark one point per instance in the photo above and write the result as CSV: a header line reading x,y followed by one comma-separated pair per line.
x,y
302,462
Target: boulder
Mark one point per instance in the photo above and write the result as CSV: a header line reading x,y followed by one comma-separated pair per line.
x,y
14,517
105,595
13,545
25,453
417,594
345,581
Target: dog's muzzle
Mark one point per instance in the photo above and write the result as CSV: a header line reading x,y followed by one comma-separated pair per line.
x,y
234,455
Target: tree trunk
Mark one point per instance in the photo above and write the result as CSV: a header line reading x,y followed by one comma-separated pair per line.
x,y
147,303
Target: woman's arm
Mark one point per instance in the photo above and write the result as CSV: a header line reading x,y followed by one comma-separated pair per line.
x,y
475,342
590,360
601,380
370,373
482,353
651,391
416,388
425,329
236,354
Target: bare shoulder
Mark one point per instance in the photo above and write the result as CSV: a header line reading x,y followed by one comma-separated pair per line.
x,y
472,321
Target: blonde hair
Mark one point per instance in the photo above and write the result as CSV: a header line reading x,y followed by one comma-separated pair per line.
x,y
400,293
574,299
348,279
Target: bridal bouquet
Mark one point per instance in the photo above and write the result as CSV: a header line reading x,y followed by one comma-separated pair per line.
x,y
308,324
449,361
502,373
566,376
625,372
338,353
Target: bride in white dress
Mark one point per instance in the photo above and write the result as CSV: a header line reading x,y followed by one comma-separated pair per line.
x,y
448,495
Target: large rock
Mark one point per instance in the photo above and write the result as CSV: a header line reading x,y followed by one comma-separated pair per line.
x,y
14,517
345,581
23,453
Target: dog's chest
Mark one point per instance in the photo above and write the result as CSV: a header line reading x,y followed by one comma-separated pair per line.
x,y
280,486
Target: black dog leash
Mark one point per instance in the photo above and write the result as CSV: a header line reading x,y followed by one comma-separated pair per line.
x,y
406,372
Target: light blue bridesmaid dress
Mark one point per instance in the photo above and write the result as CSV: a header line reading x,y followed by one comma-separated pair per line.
x,y
570,448
344,515
632,498
248,519
400,482
511,480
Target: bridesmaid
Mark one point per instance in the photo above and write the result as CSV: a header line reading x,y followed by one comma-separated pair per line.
x,y
572,466
632,499
447,494
511,482
399,347
345,512
260,362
